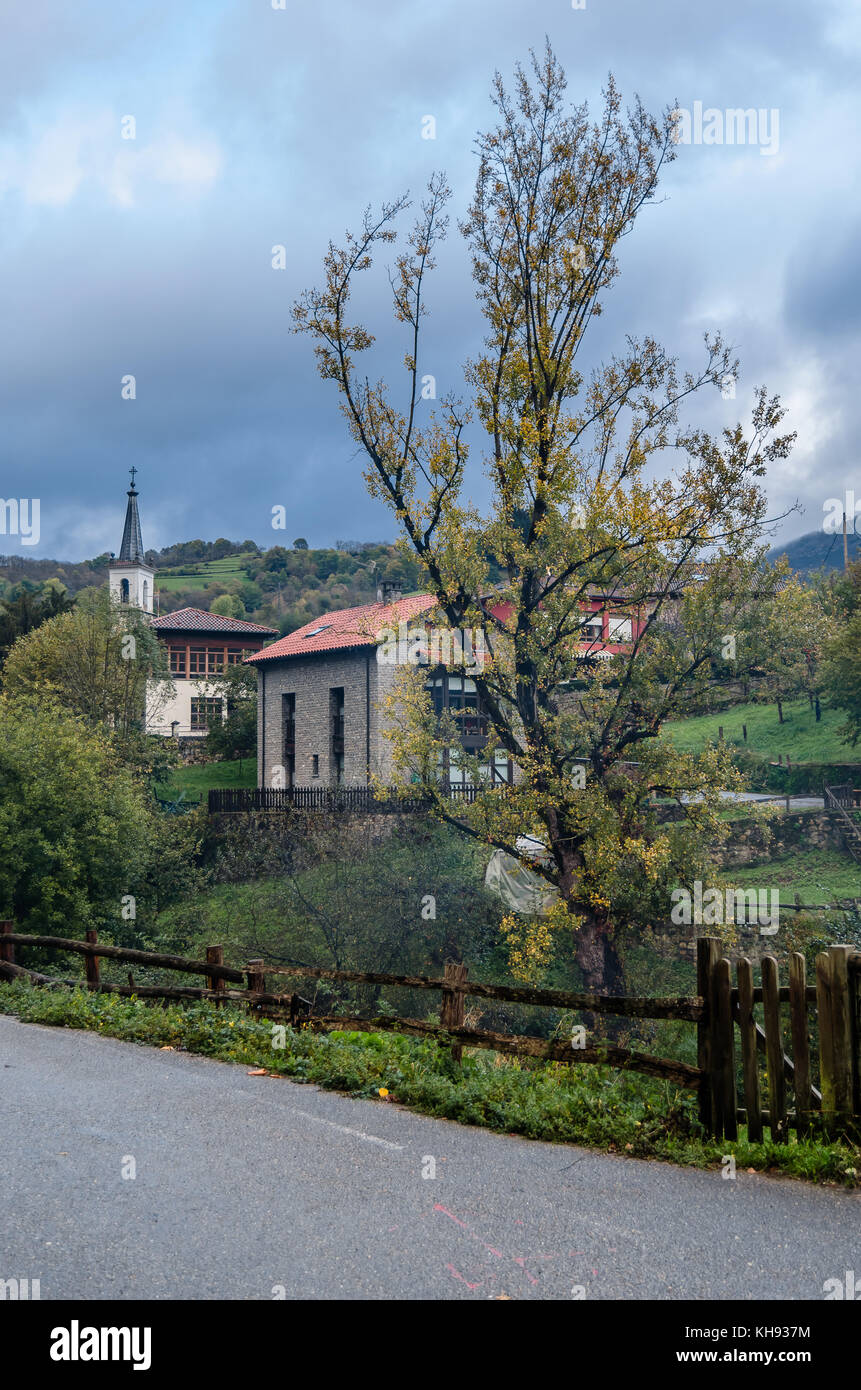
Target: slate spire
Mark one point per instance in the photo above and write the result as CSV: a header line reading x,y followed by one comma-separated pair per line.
x,y
131,550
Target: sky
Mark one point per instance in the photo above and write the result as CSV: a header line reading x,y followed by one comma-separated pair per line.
x,y
263,123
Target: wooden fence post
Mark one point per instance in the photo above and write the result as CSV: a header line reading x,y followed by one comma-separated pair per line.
x,y
800,1043
774,1049
256,980
451,1014
708,955
91,963
724,1060
750,1069
215,956
823,1013
7,950
854,966
842,1049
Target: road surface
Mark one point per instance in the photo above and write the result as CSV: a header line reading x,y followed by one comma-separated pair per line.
x,y
257,1188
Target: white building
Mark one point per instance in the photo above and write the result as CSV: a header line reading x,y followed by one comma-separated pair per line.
x,y
199,645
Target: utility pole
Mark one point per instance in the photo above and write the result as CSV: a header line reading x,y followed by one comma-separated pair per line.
x,y
845,543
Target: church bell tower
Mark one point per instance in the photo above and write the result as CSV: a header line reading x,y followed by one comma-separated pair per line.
x,y
130,578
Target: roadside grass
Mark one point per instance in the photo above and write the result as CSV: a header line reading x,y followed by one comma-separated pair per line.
x,y
196,779
594,1106
800,736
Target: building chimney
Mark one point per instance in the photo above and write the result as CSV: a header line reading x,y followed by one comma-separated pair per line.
x,y
389,591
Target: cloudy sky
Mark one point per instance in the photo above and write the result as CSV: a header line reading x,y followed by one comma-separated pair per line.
x,y
256,126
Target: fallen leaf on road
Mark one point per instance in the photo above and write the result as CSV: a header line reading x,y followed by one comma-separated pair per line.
x,y
167,1048
258,1071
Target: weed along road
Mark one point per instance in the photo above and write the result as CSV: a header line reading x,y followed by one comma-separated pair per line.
x,y
147,1174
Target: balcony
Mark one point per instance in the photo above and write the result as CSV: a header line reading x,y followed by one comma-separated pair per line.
x,y
471,724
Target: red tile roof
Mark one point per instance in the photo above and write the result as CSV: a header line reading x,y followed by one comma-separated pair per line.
x,y
197,620
348,627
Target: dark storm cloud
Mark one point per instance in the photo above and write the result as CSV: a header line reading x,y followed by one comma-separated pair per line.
x,y
258,127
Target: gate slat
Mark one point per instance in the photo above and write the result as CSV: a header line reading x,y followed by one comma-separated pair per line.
x,y
725,1072
774,1049
800,1043
750,1070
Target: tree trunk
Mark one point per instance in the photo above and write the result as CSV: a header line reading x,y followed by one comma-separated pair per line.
x,y
818,708
780,711
598,959
601,970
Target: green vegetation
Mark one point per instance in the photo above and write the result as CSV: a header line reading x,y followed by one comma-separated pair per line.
x,y
193,782
332,895
74,821
817,875
280,587
800,736
590,1105
206,574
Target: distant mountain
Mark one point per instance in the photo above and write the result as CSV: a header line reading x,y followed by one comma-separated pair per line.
x,y
817,550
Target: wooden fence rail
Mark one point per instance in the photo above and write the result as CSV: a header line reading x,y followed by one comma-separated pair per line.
x,y
334,799
724,1066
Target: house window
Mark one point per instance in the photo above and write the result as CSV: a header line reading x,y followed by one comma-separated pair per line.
x,y
315,765
177,661
205,712
145,595
459,695
336,718
619,629
500,768
197,661
124,591
288,732
592,630
236,654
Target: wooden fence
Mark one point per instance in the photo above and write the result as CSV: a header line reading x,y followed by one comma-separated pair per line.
x,y
333,799
842,800
717,1010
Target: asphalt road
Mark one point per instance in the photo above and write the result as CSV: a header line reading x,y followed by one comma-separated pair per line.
x,y
254,1187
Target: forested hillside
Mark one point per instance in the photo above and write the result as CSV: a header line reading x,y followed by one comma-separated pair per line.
x,y
283,586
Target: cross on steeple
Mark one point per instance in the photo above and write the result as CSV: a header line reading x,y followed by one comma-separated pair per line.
x,y
131,549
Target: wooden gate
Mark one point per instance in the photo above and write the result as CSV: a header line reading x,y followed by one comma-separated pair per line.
x,y
822,1024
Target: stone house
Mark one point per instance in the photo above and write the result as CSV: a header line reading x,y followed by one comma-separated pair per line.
x,y
321,690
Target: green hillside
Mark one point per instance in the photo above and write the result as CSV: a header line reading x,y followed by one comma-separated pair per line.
x,y
799,736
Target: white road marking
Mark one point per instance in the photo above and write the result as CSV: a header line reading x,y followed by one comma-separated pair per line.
x,y
306,1115
357,1133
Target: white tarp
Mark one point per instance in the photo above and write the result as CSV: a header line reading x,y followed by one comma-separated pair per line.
x,y
522,889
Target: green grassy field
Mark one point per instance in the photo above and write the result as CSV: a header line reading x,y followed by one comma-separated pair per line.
x,y
196,780
201,575
799,737
817,875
